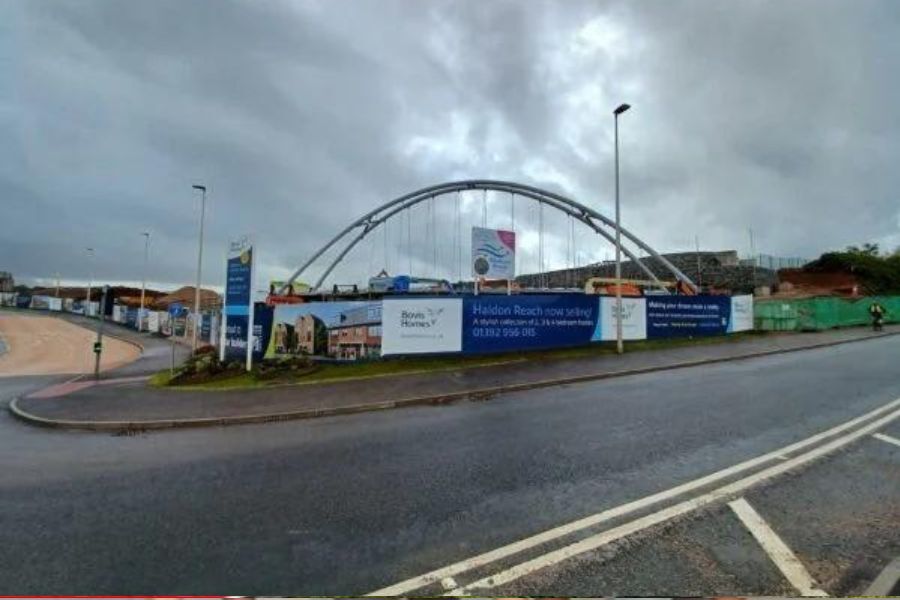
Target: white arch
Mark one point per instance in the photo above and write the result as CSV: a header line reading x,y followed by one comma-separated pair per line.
x,y
584,214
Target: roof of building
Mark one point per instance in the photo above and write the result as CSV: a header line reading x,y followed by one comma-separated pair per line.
x,y
363,315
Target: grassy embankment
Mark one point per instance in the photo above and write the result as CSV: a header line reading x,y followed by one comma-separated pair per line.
x,y
427,364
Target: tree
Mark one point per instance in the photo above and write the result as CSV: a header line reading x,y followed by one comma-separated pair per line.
x,y
868,249
878,274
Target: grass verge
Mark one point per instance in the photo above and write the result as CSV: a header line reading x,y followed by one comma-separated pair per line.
x,y
431,364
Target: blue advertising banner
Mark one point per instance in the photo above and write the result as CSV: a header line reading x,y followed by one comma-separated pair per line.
x,y
507,323
237,288
238,298
131,315
205,327
684,316
263,316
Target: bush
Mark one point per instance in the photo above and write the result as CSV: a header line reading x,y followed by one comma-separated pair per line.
x,y
205,366
877,273
293,366
202,350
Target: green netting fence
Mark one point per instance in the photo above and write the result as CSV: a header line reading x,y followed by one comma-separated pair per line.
x,y
815,314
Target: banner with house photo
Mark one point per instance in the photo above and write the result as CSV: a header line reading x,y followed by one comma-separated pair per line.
x,y
333,330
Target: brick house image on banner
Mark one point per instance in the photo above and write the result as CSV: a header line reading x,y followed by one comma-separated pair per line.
x,y
356,333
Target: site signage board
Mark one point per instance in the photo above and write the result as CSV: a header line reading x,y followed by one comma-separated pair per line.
x,y
422,325
263,316
493,253
634,319
495,323
238,316
687,316
741,314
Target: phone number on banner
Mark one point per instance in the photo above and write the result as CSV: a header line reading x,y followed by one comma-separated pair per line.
x,y
504,332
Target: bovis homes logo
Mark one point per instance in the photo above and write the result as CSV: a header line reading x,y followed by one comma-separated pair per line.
x,y
628,309
421,321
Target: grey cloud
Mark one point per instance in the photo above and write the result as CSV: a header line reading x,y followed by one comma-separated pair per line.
x,y
300,116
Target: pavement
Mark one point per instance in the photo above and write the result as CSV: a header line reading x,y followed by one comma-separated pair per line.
x,y
156,351
352,505
40,344
133,404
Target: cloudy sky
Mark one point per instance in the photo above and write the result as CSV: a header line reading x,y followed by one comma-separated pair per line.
x,y
302,114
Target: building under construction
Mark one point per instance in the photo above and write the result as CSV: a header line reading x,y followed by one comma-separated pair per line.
x,y
721,272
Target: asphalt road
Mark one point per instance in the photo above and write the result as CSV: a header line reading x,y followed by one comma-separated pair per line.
x,y
346,505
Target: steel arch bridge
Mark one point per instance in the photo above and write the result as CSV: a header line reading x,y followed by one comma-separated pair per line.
x,y
603,226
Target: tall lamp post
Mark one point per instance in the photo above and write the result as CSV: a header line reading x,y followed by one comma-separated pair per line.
x,y
87,307
202,188
619,345
146,235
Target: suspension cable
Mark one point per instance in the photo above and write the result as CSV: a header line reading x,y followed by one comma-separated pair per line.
x,y
433,241
458,236
384,232
409,255
543,277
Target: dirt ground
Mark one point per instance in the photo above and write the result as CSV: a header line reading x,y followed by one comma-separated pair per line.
x,y
38,345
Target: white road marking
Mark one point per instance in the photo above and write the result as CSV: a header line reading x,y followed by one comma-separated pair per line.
x,y
786,561
448,583
727,491
414,583
886,438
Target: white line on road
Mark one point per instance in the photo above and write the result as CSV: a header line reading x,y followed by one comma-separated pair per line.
x,y
448,583
886,438
786,561
727,491
549,535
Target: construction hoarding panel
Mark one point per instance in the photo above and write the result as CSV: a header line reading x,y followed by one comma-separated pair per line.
x,y
741,314
153,321
262,329
422,325
493,253
816,314
506,323
336,330
634,319
40,302
687,316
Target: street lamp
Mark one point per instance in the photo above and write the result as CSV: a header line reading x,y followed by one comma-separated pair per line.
x,y
146,235
87,307
619,346
202,188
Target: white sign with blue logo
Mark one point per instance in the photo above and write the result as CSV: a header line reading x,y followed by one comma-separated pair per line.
x,y
493,253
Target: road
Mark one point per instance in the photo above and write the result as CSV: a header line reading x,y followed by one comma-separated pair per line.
x,y
350,505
